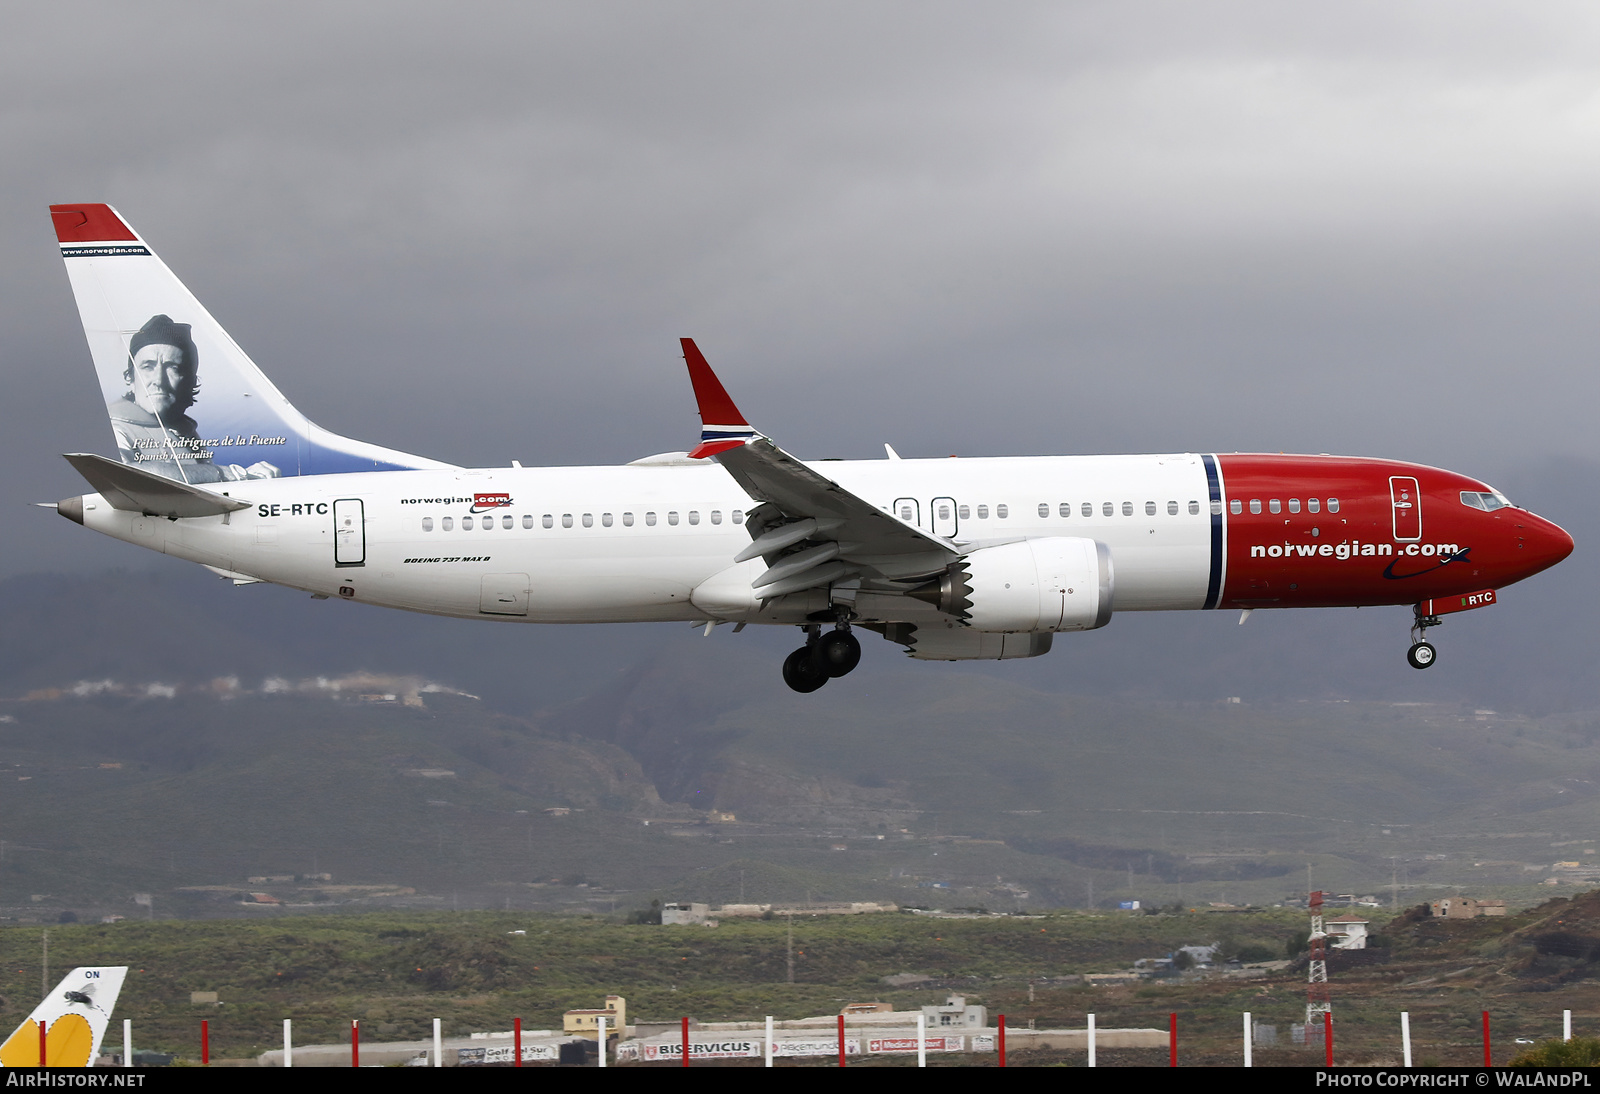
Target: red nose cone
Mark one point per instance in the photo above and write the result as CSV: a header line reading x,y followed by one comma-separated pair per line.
x,y
1544,543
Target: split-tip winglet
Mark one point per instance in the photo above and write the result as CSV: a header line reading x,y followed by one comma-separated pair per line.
x,y
722,426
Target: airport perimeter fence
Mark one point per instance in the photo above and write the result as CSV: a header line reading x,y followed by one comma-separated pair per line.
x,y
688,1046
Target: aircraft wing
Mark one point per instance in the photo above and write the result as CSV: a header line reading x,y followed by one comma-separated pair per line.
x,y
810,530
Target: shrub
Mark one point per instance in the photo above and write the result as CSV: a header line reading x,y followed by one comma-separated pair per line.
x,y
1578,1052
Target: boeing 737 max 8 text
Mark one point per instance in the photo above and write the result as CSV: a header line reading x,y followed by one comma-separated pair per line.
x,y
954,559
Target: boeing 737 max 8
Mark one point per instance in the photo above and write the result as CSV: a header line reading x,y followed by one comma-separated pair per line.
x,y
954,559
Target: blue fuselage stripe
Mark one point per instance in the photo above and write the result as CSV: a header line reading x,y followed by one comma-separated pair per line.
x,y
1214,485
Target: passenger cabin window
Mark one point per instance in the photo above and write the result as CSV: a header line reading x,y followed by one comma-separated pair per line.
x,y
1044,509
1150,508
1255,505
905,513
1108,509
1065,510
650,519
447,523
1294,505
1002,512
1333,505
548,521
527,520
738,516
1313,505
672,516
1172,508
466,524
716,516
605,520
427,524
944,510
1088,509
627,520
964,512
1216,507
566,520
983,512
1235,506
1275,505
694,516
1127,508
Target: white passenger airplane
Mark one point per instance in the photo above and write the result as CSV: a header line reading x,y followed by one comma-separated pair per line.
x,y
954,559
75,1017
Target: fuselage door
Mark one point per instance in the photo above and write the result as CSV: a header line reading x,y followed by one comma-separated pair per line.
x,y
908,510
349,533
942,511
1406,501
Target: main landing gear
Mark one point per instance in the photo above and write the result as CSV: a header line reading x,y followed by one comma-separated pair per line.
x,y
1422,655
823,657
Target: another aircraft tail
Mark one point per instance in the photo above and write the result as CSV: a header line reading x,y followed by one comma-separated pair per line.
x,y
75,1018
154,347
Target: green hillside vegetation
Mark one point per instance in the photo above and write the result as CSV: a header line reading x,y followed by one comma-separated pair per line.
x,y
397,972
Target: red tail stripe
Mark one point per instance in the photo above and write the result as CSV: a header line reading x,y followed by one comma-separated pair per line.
x,y
88,224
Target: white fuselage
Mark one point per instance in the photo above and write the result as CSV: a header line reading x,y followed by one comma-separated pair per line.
x,y
656,540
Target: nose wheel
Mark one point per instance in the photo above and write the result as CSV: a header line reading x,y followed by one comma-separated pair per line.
x,y
823,657
1422,655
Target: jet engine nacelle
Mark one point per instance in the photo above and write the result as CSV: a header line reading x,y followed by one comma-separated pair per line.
x,y
1059,583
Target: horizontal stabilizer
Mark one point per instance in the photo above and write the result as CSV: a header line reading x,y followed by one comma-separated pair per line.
x,y
136,491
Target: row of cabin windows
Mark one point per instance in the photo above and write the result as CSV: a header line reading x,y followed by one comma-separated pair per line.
x,y
1109,509
1001,512
1275,505
486,523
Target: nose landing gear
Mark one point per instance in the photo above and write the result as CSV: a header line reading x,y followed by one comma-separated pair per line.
x,y
1422,655
823,657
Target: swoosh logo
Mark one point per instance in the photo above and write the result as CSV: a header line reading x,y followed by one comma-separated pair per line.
x,y
1459,556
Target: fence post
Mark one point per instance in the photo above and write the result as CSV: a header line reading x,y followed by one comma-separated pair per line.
x,y
769,1040
1091,1040
1247,1040
355,1042
1488,1061
438,1045
601,1022
1172,1040
288,1045
1405,1036
1327,1037
685,1040
127,1041
841,1040
516,1036
922,1040
1566,1025
205,1041
43,1044
1002,1040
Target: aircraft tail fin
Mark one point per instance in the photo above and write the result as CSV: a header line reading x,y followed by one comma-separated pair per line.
x,y
75,1018
155,347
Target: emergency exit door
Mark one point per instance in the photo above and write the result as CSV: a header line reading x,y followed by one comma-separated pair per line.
x,y
349,533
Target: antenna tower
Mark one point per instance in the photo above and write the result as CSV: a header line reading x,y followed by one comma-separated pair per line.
x,y
1317,1002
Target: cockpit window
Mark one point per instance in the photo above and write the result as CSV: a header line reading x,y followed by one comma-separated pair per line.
x,y
1488,501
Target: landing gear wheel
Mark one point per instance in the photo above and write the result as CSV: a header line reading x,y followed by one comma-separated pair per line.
x,y
803,672
1421,655
839,652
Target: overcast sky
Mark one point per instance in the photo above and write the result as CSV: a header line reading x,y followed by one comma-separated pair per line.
x,y
475,231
